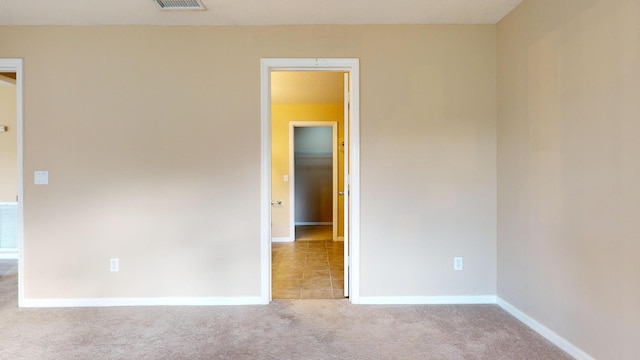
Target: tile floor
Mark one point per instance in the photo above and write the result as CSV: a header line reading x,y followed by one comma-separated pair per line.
x,y
308,269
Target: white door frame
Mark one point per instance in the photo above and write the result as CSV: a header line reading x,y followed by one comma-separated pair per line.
x,y
15,65
352,66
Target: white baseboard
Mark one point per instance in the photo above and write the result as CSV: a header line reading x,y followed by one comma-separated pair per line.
x,y
9,254
307,223
340,238
160,301
281,239
427,300
547,333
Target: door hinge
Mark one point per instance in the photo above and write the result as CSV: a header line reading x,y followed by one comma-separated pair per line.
x,y
348,260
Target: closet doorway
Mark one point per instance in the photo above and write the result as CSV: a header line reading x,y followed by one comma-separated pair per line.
x,y
313,169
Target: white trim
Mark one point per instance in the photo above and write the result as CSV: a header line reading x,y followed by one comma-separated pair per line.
x,y
159,301
354,184
292,173
266,66
427,300
15,65
281,239
335,170
346,199
340,238
544,331
311,223
265,184
9,254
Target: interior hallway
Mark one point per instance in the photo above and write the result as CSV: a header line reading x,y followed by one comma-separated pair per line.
x,y
308,269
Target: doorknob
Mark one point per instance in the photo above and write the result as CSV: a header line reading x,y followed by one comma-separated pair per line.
x,y
276,202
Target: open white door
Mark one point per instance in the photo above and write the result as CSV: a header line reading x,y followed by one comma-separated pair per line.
x,y
345,193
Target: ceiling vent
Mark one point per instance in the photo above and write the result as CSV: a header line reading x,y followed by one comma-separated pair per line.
x,y
180,4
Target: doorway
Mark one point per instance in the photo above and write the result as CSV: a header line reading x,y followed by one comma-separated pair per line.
x,y
314,180
307,109
351,212
8,167
11,183
311,266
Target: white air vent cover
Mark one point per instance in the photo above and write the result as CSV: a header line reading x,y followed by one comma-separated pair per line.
x,y
180,4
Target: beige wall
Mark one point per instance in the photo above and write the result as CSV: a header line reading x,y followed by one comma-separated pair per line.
x,y
568,170
151,136
8,145
281,116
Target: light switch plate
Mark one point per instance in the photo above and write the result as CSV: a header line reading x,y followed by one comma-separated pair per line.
x,y
114,265
41,177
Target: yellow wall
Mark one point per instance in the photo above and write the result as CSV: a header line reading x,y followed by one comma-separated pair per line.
x,y
281,116
151,136
8,145
568,170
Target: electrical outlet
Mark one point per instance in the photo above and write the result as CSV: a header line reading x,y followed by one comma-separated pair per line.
x,y
114,265
457,263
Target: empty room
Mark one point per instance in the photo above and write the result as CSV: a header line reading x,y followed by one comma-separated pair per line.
x,y
484,198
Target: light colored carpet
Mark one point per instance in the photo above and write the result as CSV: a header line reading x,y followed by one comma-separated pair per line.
x,y
298,329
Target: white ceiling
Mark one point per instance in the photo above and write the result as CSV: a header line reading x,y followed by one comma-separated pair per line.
x,y
255,12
